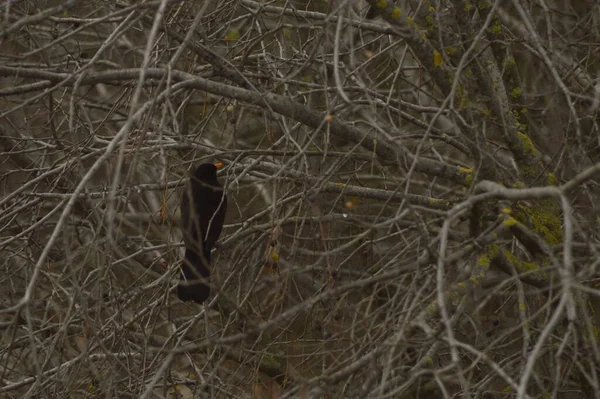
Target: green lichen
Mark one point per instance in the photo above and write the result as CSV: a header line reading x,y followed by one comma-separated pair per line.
x,y
477,280
483,5
232,35
528,146
591,307
468,172
509,221
545,216
429,20
483,260
491,251
522,266
522,217
483,264
462,96
495,29
464,101
509,62
450,50
468,6
396,13
516,92
381,4
521,126
528,171
552,179
437,202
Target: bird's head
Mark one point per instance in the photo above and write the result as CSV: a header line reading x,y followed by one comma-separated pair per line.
x,y
207,172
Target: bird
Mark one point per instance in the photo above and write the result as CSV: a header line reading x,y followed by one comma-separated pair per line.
x,y
203,208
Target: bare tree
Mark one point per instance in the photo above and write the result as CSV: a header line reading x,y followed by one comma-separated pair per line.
x,y
413,198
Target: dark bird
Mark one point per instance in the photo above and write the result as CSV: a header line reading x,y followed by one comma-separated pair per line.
x,y
203,207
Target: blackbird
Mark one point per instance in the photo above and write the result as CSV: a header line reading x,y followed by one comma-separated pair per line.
x,y
203,207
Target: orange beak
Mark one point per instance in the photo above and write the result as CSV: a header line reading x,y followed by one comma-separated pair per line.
x,y
219,165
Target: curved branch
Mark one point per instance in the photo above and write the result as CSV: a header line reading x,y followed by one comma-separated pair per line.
x,y
387,152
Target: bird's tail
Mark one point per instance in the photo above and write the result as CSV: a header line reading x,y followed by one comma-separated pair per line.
x,y
193,285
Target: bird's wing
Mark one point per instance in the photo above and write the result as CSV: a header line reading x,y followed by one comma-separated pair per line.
x,y
213,221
